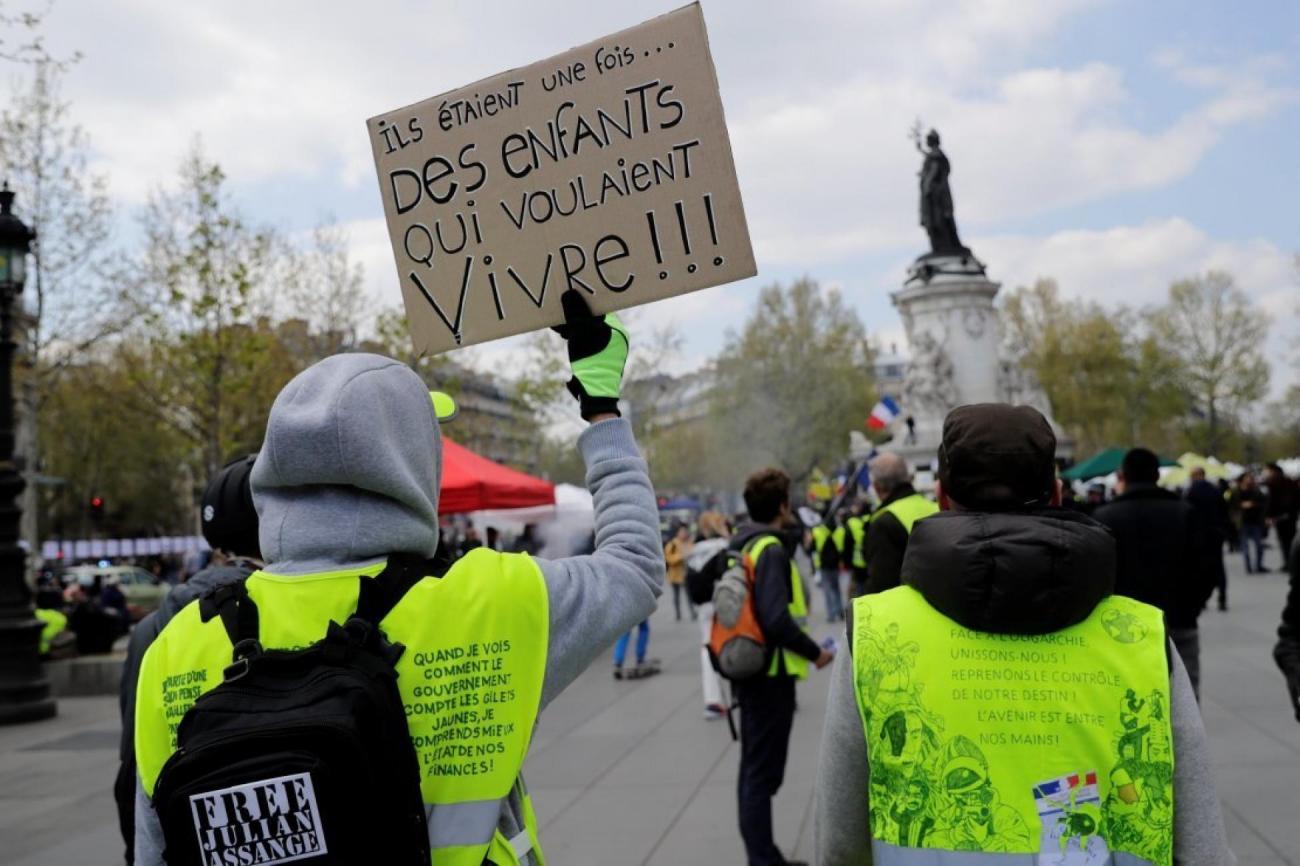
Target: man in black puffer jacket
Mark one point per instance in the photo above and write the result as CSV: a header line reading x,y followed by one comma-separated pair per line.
x,y
1157,553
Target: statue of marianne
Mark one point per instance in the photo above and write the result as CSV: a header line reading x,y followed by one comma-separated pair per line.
x,y
936,199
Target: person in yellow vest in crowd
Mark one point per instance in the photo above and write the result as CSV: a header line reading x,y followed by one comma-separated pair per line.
x,y
891,524
826,559
53,623
1002,700
840,536
767,701
346,488
855,555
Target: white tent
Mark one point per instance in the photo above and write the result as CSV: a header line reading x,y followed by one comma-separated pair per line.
x,y
562,527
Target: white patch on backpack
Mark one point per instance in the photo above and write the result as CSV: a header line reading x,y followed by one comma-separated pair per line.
x,y
260,823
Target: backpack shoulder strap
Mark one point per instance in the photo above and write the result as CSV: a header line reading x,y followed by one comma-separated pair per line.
x,y
238,615
380,594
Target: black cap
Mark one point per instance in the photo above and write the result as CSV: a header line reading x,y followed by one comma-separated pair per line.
x,y
997,457
229,518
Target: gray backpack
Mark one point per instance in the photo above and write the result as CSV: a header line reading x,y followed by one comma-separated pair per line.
x,y
737,645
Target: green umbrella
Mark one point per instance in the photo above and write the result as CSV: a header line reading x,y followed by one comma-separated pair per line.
x,y
1103,463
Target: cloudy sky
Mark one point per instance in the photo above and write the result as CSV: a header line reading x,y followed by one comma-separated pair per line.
x,y
1115,146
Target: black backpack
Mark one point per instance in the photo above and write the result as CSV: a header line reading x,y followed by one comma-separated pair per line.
x,y
299,755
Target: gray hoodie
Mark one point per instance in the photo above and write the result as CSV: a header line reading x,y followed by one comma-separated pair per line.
x,y
349,473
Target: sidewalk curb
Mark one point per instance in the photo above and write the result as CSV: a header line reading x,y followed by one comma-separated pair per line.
x,y
86,676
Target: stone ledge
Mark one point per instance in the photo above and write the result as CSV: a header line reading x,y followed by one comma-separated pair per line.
x,y
86,675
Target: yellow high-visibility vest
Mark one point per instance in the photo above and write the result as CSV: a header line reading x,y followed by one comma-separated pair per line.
x,y
1017,745
479,633
795,664
908,510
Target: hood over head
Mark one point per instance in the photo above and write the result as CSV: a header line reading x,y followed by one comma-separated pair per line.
x,y
1032,572
351,465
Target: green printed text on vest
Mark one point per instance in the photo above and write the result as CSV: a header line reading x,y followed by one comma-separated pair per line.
x,y
470,680
1058,744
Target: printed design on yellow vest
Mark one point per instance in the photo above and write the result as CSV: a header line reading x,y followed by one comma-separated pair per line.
x,y
926,791
1123,627
1138,810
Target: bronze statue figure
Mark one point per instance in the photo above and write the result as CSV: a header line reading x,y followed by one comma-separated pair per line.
x,y
936,199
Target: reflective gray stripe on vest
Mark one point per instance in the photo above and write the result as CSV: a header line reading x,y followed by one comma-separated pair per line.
x,y
884,854
522,843
471,823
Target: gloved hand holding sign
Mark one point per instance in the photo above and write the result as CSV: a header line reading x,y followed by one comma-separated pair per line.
x,y
597,353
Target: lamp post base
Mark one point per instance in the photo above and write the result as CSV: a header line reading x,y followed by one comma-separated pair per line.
x,y
24,689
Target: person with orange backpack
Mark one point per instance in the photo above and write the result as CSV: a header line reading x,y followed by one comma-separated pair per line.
x,y
773,620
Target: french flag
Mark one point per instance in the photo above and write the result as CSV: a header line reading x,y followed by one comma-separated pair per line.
x,y
883,414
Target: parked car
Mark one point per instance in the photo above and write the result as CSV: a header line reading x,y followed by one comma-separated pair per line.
x,y
142,591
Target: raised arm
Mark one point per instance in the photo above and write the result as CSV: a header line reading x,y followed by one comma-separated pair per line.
x,y
596,598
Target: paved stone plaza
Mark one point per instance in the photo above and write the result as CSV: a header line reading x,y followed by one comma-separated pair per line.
x,y
629,772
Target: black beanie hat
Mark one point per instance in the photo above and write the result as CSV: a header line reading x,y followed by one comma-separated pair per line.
x,y
997,457
229,518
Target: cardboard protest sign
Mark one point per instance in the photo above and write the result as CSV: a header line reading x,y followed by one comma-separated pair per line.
x,y
605,169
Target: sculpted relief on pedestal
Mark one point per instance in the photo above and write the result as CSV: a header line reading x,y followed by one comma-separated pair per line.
x,y
928,387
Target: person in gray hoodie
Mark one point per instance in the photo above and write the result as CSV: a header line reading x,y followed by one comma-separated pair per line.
x,y
1007,581
349,474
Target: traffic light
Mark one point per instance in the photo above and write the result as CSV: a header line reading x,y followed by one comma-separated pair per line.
x,y
97,509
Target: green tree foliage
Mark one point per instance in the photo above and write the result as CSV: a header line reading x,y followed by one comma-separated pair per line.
x,y
1086,357
792,382
200,352
98,449
67,303
1216,337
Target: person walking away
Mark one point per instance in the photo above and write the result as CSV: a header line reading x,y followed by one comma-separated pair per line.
x,y
346,488
527,542
1283,505
230,527
1251,502
891,524
713,538
946,742
855,553
1096,498
1212,511
767,701
1159,553
676,551
826,559
471,541
842,540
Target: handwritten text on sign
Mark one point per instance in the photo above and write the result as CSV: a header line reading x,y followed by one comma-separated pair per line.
x,y
606,169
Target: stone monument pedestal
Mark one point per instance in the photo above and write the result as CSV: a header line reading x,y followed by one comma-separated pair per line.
x,y
956,341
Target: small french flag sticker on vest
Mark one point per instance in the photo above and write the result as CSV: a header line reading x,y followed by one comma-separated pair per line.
x,y
883,414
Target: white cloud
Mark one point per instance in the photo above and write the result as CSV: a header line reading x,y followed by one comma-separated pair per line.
x,y
819,98
1134,265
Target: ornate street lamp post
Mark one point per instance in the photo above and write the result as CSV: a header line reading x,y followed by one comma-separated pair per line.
x,y
24,690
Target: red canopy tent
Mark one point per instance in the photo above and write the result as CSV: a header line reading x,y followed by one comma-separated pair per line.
x,y
474,483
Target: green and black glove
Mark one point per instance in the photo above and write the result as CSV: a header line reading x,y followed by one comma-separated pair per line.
x,y
597,354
